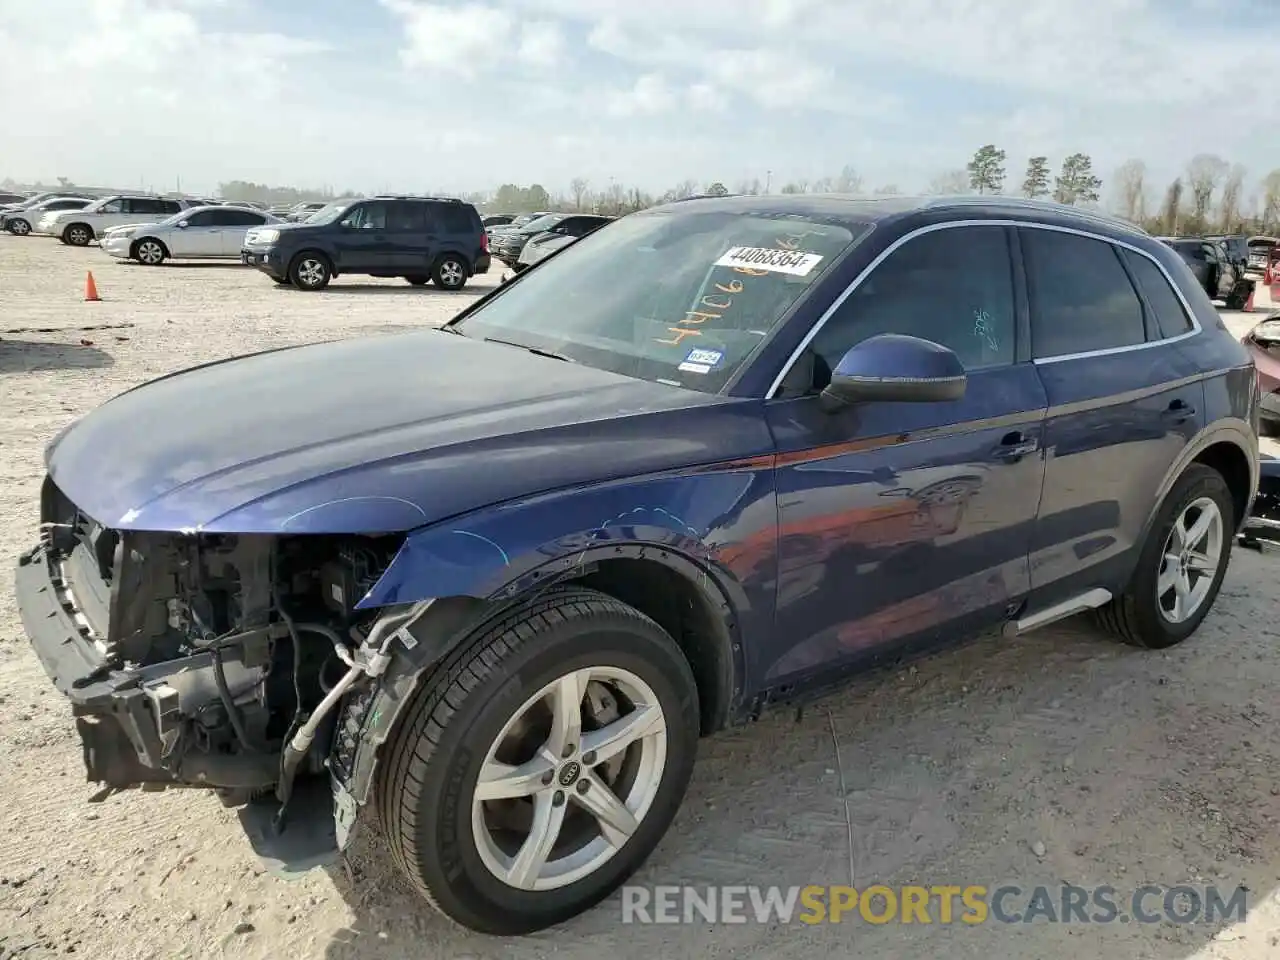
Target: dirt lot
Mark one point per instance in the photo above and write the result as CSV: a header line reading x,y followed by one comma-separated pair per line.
x,y
1061,757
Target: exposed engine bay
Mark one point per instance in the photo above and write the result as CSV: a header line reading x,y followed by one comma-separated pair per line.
x,y
216,661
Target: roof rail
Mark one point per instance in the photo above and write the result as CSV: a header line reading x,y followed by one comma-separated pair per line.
x,y
414,196
1049,206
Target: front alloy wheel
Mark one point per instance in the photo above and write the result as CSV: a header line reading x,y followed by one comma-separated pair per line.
x,y
540,763
150,252
569,778
19,227
78,235
309,272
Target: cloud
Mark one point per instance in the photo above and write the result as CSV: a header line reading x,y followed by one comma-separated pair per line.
x,y
652,92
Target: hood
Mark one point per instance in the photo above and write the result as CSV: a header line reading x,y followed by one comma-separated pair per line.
x,y
377,434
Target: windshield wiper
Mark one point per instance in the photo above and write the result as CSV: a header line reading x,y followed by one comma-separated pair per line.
x,y
537,350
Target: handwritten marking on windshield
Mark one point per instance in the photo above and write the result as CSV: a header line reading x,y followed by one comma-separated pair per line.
x,y
695,318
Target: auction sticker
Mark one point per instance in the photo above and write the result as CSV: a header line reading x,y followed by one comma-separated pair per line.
x,y
795,262
700,360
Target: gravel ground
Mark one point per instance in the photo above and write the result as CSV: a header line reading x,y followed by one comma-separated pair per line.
x,y
1061,757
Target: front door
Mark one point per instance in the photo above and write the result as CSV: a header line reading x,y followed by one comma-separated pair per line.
x,y
201,237
1123,403
906,524
364,243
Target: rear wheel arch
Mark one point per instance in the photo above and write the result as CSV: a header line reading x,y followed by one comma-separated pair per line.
x,y
1227,446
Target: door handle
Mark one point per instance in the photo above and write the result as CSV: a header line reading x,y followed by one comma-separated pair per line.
x,y
1015,446
1179,411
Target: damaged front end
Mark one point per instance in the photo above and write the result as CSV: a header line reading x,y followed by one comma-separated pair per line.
x,y
199,660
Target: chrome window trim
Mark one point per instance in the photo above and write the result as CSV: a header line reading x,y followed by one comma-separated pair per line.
x,y
1031,225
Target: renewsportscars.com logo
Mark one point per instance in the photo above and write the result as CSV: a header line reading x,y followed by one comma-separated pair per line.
x,y
972,904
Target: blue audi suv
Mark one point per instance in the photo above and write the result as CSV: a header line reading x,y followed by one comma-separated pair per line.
x,y
494,581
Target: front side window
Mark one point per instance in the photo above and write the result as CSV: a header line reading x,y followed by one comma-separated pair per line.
x,y
368,216
202,218
1081,297
678,296
953,286
110,206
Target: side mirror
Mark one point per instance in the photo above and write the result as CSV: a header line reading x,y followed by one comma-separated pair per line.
x,y
183,224
895,367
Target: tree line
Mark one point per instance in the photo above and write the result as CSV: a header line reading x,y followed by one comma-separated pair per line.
x,y
1210,195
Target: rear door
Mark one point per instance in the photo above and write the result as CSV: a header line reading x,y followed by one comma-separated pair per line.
x,y
235,224
1123,402
412,227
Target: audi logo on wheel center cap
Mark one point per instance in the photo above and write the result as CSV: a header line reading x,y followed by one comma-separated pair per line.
x,y
569,773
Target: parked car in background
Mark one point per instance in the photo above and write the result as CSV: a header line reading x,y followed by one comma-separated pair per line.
x,y
304,210
571,228
507,245
1263,343
20,220
1260,252
421,239
1236,245
6,198
493,582
80,227
31,201
1220,277
497,220
516,223
200,233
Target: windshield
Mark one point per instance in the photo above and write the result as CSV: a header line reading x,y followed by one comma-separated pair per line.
x,y
681,297
543,223
329,212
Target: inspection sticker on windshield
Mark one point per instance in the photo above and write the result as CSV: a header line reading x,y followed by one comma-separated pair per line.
x,y
700,360
795,262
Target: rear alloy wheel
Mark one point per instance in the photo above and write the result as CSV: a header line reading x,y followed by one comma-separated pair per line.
x,y
309,271
538,766
77,235
19,227
1181,567
151,252
450,273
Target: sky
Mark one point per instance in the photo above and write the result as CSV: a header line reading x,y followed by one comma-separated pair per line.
x,y
462,96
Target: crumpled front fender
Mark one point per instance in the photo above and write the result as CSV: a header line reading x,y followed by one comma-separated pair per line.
x,y
491,552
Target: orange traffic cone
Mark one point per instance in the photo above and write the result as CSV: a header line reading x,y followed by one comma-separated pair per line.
x,y
1248,304
90,288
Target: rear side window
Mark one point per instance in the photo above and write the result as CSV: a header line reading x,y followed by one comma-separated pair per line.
x,y
406,217
455,218
1171,316
1081,297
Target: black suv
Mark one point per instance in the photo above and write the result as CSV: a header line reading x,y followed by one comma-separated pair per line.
x,y
418,238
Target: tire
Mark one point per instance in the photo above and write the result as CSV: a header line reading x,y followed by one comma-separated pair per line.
x,y
419,281
18,227
310,270
430,771
450,272
1140,615
77,234
149,251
